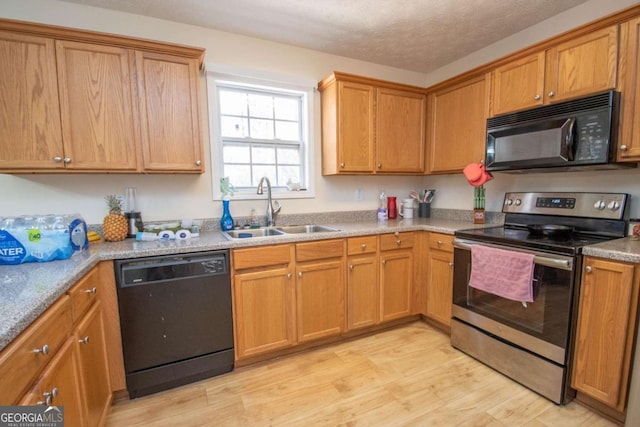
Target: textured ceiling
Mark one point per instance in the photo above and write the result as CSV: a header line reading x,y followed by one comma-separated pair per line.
x,y
417,35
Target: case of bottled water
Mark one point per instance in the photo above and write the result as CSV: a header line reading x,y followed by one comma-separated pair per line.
x,y
41,238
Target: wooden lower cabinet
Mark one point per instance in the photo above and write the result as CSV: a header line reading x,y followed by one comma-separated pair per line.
x,y
92,357
320,300
607,318
60,385
363,293
264,311
396,277
439,278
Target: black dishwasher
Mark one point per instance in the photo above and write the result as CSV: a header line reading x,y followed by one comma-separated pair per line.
x,y
175,319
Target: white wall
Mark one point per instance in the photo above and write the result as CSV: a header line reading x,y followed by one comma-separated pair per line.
x,y
178,196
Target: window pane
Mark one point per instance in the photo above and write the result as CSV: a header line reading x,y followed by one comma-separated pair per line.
x,y
288,156
286,173
235,154
288,131
287,108
261,105
263,170
233,103
234,127
261,129
239,176
264,155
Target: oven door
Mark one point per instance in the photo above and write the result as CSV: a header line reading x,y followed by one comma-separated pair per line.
x,y
542,326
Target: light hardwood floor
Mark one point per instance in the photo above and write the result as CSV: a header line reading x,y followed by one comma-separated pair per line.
x,y
408,376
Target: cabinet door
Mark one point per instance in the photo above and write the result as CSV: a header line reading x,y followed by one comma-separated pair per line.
x,y
439,289
320,295
61,383
93,366
30,136
355,127
518,84
457,121
400,130
606,329
96,104
363,296
264,311
629,140
168,103
582,66
396,276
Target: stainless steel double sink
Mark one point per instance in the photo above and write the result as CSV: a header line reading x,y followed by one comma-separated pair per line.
x,y
277,231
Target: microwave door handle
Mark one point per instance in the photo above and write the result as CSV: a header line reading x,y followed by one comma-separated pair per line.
x,y
568,132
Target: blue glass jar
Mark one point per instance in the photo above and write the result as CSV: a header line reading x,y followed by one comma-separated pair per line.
x,y
226,222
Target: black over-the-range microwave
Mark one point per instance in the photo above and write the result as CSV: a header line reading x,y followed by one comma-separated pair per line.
x,y
570,135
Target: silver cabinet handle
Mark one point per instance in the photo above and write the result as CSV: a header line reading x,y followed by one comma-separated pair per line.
x,y
397,233
44,350
299,273
588,269
341,165
439,242
67,160
450,264
379,165
384,261
537,97
623,148
364,246
48,397
84,340
398,242
289,276
93,290
198,162
57,159
351,267
551,94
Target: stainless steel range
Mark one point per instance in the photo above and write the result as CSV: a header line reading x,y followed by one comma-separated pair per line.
x,y
531,342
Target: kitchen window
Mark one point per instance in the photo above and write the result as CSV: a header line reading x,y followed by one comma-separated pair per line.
x,y
260,128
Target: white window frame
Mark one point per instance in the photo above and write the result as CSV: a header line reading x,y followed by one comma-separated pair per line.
x,y
252,78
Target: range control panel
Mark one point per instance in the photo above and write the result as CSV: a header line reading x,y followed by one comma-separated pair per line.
x,y
587,205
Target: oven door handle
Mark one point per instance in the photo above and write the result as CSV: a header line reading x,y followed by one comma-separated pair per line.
x,y
547,260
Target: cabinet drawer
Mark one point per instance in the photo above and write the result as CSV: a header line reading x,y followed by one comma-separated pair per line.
x,y
261,257
396,241
362,245
441,242
319,250
84,294
20,363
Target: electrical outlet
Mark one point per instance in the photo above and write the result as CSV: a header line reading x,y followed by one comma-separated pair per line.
x,y
359,194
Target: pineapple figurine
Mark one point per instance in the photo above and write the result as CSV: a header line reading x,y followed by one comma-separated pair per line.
x,y
115,225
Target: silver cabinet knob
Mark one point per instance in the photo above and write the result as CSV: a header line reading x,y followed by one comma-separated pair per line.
x,y
342,165
289,276
588,269
623,148
93,290
398,242
299,273
450,264
67,160
57,159
363,246
537,97
379,165
439,242
351,267
84,340
551,94
43,350
198,162
48,397
384,261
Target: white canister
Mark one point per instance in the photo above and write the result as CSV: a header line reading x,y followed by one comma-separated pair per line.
x,y
406,209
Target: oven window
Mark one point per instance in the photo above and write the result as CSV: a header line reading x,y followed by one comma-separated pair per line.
x,y
547,317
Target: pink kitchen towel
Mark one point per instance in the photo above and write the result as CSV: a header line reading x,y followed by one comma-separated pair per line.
x,y
501,272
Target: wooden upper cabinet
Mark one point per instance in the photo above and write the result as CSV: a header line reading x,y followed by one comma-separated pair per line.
x,y
30,132
518,84
96,107
582,66
400,130
629,137
456,124
168,104
371,126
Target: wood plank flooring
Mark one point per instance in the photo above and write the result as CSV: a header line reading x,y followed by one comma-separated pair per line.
x,y
408,376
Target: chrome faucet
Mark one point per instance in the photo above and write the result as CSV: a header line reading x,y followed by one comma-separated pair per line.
x,y
271,211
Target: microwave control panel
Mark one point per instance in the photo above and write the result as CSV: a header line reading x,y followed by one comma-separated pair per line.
x,y
592,136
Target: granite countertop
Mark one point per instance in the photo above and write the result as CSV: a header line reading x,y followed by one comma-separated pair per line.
x,y
27,290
